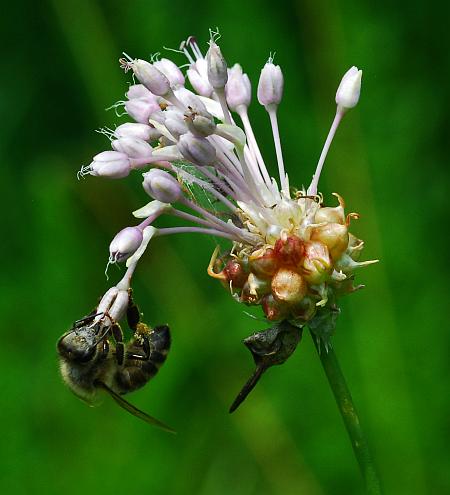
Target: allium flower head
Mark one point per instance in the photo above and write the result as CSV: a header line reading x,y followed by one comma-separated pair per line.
x,y
288,252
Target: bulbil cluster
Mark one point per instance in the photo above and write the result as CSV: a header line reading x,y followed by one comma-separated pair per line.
x,y
295,274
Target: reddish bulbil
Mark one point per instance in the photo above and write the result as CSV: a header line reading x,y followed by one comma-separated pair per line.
x,y
290,250
235,273
265,265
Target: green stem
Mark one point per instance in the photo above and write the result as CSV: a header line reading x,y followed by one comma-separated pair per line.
x,y
349,415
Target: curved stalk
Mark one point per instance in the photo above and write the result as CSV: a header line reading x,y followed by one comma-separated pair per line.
x,y
349,415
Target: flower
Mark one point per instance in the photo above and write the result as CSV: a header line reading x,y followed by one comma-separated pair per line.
x,y
289,253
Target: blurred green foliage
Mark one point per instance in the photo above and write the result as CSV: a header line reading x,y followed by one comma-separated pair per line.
x,y
389,162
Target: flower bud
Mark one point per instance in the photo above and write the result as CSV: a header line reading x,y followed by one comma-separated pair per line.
x,y
196,149
200,85
190,100
289,250
125,244
273,309
140,109
138,91
270,86
317,265
132,147
217,67
137,131
111,164
200,124
288,286
334,236
347,95
176,126
238,90
152,78
171,71
263,263
161,186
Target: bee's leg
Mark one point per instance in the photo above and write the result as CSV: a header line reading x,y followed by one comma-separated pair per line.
x,y
87,319
120,346
133,314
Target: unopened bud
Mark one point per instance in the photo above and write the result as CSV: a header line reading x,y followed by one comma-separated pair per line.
x,y
334,236
176,126
217,67
138,91
199,82
161,186
140,109
347,95
317,265
132,147
238,90
288,286
201,124
136,130
190,100
110,164
125,244
197,149
152,78
171,71
270,86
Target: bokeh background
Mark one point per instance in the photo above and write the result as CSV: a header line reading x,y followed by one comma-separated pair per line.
x,y
59,73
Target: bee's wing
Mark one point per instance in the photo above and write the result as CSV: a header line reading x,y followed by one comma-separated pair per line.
x,y
134,410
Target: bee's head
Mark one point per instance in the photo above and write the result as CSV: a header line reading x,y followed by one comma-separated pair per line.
x,y
79,345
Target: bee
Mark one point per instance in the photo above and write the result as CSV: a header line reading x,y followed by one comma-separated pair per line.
x,y
93,358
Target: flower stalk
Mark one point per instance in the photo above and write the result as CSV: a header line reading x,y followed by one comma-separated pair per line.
x,y
348,412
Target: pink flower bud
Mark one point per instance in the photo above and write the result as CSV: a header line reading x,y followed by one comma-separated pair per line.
x,y
199,83
125,244
152,78
140,109
270,86
171,71
238,89
132,147
190,100
196,149
138,91
162,186
111,164
137,131
176,126
217,67
347,95
200,124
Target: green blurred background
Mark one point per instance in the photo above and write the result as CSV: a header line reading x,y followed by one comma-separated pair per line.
x,y
60,71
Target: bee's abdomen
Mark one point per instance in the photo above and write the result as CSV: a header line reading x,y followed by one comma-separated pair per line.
x,y
135,373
